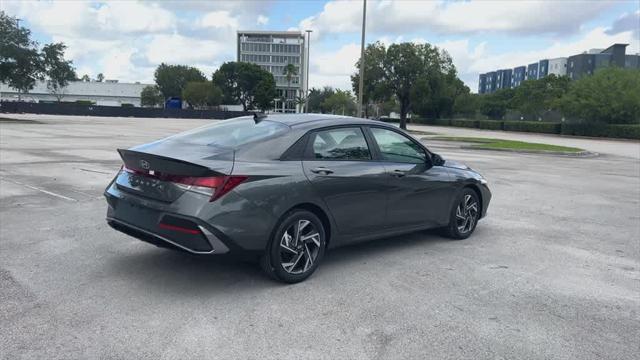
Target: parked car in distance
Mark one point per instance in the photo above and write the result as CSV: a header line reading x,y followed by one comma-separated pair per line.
x,y
285,188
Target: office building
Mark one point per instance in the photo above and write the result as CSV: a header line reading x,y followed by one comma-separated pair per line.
x,y
273,51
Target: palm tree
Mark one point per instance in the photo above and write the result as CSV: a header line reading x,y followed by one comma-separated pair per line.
x,y
289,72
301,101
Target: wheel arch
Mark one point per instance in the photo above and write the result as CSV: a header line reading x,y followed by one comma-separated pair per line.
x,y
319,212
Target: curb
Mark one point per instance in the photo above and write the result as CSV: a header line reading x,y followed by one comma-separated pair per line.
x,y
542,152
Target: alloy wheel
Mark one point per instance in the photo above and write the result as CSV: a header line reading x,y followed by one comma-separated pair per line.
x,y
466,214
299,247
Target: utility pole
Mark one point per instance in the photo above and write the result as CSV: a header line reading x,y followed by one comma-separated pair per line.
x,y
306,96
361,84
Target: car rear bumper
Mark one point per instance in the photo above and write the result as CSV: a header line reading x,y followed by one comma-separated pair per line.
x,y
164,229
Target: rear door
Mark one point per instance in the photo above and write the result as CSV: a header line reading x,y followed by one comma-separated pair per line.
x,y
338,162
420,193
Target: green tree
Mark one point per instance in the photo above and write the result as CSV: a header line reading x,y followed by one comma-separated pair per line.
x,y
85,78
57,70
375,90
100,77
289,72
246,84
535,97
610,95
340,102
495,105
421,77
20,61
202,94
265,92
317,98
466,105
151,96
172,79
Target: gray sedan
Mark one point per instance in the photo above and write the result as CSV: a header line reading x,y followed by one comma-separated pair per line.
x,y
284,188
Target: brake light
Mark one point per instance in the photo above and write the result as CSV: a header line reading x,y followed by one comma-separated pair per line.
x,y
213,186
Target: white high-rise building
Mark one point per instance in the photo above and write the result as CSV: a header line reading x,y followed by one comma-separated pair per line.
x,y
272,51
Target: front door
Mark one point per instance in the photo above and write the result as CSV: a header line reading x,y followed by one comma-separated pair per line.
x,y
339,164
421,193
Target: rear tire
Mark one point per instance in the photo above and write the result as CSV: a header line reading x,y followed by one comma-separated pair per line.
x,y
296,247
464,215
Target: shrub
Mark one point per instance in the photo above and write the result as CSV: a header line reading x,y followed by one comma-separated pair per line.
x,y
532,126
126,105
584,129
624,131
464,123
602,130
490,124
85,102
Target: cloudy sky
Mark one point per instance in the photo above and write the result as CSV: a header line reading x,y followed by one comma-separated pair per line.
x,y
126,40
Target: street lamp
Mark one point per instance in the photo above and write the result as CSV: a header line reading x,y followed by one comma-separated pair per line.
x,y
306,96
361,82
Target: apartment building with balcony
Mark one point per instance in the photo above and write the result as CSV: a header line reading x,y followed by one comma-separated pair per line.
x,y
273,51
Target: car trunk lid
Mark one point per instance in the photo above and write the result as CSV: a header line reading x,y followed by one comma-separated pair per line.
x,y
164,172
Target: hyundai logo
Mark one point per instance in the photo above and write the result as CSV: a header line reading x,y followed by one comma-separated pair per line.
x,y
145,164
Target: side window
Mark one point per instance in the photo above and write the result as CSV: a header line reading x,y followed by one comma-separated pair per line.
x,y
397,147
340,144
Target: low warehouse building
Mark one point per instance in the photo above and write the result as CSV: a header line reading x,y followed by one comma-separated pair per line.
x,y
107,93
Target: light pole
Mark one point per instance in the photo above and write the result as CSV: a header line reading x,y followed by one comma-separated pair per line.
x,y
361,83
306,92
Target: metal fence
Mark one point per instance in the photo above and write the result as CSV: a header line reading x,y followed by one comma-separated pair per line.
x,y
114,111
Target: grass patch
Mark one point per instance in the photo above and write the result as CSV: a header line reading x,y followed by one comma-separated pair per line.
x,y
500,144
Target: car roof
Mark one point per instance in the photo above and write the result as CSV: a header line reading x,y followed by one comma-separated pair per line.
x,y
310,121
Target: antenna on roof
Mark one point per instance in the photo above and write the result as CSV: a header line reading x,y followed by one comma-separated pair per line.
x,y
257,117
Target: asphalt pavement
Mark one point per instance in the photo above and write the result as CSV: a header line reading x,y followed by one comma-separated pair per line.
x,y
553,272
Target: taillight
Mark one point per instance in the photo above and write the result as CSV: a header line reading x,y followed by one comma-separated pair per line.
x,y
212,186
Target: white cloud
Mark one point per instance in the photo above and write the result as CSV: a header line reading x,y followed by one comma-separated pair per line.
x,y
177,49
517,17
218,19
134,17
262,20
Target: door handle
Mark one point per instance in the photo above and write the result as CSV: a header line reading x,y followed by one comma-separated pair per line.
x,y
398,173
322,170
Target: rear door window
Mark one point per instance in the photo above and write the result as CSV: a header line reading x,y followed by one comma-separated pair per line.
x,y
340,144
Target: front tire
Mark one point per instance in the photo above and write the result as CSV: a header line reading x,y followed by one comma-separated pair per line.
x,y
464,215
296,247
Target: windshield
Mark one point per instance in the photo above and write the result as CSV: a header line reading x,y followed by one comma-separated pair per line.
x,y
231,133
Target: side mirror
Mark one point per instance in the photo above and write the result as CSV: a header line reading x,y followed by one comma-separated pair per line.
x,y
436,159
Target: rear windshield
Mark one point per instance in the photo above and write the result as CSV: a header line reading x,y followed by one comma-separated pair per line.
x,y
231,133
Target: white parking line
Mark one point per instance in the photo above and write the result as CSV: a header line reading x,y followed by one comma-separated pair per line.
x,y
38,189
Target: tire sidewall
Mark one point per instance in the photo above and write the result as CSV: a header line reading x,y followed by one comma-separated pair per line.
x,y
274,248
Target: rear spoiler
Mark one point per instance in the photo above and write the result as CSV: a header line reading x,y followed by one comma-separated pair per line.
x,y
152,163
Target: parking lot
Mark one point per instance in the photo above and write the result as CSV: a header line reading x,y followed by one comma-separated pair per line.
x,y
552,272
